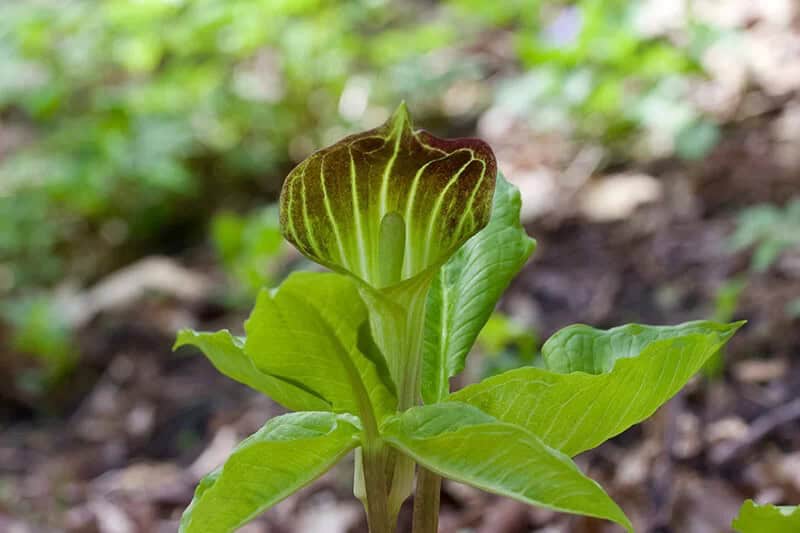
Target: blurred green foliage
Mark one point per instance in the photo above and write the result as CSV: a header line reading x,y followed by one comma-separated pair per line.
x,y
506,344
588,71
726,302
251,249
134,112
125,125
40,332
769,230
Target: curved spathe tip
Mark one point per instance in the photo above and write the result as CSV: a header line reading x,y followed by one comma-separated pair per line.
x,y
334,203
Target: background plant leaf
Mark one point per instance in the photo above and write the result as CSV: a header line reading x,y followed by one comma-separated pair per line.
x,y
581,348
755,518
578,411
307,331
226,353
286,454
467,289
461,442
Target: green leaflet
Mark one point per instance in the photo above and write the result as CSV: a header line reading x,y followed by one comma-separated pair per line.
x,y
307,331
467,288
461,442
755,518
334,203
581,348
226,353
286,454
578,411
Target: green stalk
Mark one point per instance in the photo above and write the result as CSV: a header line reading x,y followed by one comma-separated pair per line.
x,y
397,319
373,460
426,502
376,502
398,329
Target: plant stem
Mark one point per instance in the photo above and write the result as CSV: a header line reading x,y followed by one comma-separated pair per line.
x,y
374,459
376,503
426,501
397,322
397,319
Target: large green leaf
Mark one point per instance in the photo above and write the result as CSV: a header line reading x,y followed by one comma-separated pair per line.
x,y
575,412
388,196
461,442
309,331
755,518
465,292
581,348
286,454
226,353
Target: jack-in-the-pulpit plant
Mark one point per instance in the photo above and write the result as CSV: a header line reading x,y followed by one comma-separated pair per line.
x,y
423,236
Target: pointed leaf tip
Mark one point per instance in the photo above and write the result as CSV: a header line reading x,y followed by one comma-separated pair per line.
x,y
401,115
599,383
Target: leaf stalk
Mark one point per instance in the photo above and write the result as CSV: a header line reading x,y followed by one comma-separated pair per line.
x,y
426,502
